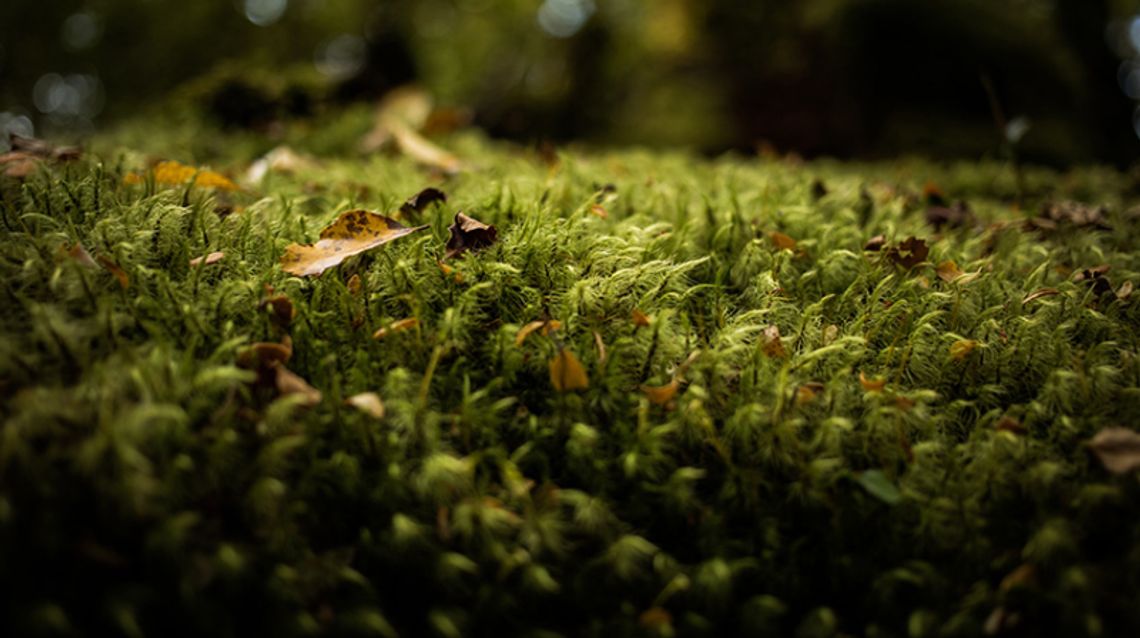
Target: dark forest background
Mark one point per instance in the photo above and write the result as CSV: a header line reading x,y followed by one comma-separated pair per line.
x,y
1055,80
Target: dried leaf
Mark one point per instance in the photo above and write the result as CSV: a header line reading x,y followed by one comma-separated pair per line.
x,y
1040,293
207,260
948,271
18,164
368,403
956,216
872,385
289,383
1095,278
640,319
421,200
448,271
407,105
281,308
601,346
547,326
79,254
1023,576
1117,448
933,194
114,269
782,241
1010,424
771,344
43,149
807,392
174,173
352,233
661,395
1055,214
599,211
567,373
422,151
878,485
279,160
468,233
962,348
908,254
1125,291
399,325
875,244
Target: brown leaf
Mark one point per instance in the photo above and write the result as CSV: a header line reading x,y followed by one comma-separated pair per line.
x,y
1024,576
1117,448
908,254
782,241
1095,278
281,310
956,216
468,233
599,211
399,325
548,326
114,269
421,200
18,164
43,149
640,319
771,344
352,233
872,385
1040,293
657,620
79,254
354,285
448,271
807,392
1055,214
207,260
933,194
567,373
962,348
948,271
281,159
368,403
661,395
875,244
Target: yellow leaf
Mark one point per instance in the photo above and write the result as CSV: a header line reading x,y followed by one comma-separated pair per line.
x,y
396,326
567,373
352,233
782,241
599,210
640,319
368,403
962,348
872,385
660,395
547,328
174,173
207,260
948,271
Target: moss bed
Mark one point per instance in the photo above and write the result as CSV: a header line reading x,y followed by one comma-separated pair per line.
x,y
859,442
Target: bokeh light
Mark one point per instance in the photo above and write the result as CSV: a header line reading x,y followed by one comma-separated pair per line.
x,y
341,57
81,31
265,12
564,18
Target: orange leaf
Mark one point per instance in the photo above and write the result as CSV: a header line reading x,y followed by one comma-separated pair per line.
x,y
368,403
567,373
869,385
174,173
396,326
115,270
352,233
660,395
782,241
547,328
807,392
948,271
206,260
771,345
599,210
640,319
962,348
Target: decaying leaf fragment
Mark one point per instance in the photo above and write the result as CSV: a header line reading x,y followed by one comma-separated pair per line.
x,y
207,260
640,319
421,200
1096,278
909,253
351,234
367,402
771,345
468,233
662,395
402,113
400,325
547,326
1117,448
567,373
279,160
268,360
962,348
782,241
956,216
875,244
1055,215
1040,293
175,174
871,385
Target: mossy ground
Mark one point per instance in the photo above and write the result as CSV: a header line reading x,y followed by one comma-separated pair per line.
x,y
146,488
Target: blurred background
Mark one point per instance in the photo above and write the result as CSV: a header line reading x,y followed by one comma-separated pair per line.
x,y
1057,81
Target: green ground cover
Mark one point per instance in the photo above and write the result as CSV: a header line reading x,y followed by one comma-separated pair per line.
x,y
807,438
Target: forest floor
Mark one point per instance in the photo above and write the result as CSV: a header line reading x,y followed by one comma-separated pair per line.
x,y
663,395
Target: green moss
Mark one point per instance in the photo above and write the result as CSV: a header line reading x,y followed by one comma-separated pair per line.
x,y
146,487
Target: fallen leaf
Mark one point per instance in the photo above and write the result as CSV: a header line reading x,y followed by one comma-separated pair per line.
x,y
1117,448
599,211
878,485
601,346
872,385
909,253
281,159
352,233
448,271
281,309
448,119
1040,293
468,233
288,383
408,105
1125,291
567,373
114,269
948,271
875,244
207,260
1054,214
368,403
1095,278
174,174
956,216
399,325
807,392
548,327
43,149
424,152
933,194
661,395
782,241
421,200
79,254
354,285
640,319
18,164
771,345
962,348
